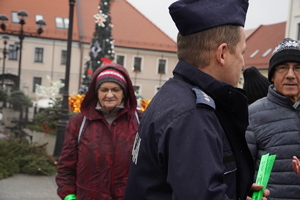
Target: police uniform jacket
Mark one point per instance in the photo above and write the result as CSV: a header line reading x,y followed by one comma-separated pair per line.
x,y
191,143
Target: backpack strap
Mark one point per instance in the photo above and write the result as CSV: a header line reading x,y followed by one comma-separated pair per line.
x,y
81,128
137,117
136,144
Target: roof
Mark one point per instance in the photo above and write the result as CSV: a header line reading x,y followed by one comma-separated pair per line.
x,y
249,32
262,41
131,28
48,9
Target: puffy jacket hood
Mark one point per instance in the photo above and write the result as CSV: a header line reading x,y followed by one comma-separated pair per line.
x,y
90,100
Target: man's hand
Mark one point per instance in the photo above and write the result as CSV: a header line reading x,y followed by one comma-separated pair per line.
x,y
256,187
296,165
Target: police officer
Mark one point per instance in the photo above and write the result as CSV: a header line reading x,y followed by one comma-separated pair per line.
x,y
191,143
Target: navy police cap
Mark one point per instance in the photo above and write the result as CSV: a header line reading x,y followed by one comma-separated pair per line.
x,y
192,16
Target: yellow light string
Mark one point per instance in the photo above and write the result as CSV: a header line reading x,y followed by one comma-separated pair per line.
x,y
144,104
75,102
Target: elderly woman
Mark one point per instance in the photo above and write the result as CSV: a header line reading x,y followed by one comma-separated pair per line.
x,y
96,154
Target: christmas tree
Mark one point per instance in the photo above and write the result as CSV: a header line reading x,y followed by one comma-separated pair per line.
x,y
102,45
86,78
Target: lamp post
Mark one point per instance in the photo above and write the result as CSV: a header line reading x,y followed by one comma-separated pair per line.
x,y
5,37
3,22
22,15
64,117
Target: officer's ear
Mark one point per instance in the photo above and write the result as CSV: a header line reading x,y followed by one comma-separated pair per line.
x,y
221,53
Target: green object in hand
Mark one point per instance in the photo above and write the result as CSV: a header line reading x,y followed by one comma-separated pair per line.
x,y
70,197
263,174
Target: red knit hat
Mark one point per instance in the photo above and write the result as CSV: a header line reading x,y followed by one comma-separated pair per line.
x,y
111,75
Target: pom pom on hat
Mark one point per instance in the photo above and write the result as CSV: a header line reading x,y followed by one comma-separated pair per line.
x,y
255,84
287,50
192,16
111,75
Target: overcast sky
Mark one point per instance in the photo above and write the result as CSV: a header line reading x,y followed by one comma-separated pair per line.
x,y
260,12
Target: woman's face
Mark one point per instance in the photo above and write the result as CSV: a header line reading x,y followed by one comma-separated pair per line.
x,y
110,95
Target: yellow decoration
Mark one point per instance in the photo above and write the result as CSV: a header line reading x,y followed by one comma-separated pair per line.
x,y
144,104
75,102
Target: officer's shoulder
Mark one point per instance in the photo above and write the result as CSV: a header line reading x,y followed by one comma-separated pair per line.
x,y
203,99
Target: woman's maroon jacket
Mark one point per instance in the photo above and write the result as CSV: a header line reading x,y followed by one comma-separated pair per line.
x,y
97,166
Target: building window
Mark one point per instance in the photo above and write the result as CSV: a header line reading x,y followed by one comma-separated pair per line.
x,y
137,89
298,37
267,52
161,66
38,54
137,64
61,90
63,59
36,80
62,22
12,52
39,17
254,53
66,23
120,60
14,17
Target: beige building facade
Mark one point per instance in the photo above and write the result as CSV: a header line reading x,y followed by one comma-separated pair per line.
x,y
293,20
52,63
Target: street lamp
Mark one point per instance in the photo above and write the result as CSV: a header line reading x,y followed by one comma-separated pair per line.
x,y
5,37
64,117
3,22
22,15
